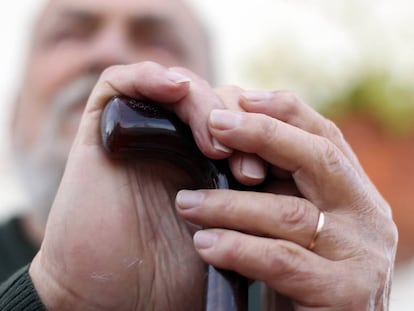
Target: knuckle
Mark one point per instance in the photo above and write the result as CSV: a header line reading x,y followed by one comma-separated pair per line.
x,y
110,71
227,204
284,261
295,214
289,98
389,234
332,131
267,130
290,103
392,234
331,157
234,254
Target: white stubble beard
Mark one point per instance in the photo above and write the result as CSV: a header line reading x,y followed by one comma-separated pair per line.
x,y
41,167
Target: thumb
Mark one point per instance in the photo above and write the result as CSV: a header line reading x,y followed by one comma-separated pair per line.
x,y
142,80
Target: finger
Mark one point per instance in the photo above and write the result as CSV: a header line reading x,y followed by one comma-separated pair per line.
x,y
262,214
230,95
289,108
143,80
322,173
276,216
194,109
285,106
247,168
286,267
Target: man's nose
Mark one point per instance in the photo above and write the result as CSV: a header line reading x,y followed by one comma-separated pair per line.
x,y
110,47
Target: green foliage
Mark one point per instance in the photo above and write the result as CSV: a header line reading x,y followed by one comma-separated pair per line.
x,y
377,95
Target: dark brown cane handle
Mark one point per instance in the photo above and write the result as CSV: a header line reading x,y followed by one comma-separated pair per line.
x,y
142,128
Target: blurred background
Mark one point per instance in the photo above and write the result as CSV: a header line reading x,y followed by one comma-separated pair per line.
x,y
352,60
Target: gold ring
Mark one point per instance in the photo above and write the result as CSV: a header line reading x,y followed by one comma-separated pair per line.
x,y
319,227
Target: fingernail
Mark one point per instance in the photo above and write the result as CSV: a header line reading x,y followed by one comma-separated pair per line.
x,y
252,168
256,95
204,239
187,199
224,119
220,147
176,77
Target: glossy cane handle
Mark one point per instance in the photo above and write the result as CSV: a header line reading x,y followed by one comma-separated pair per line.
x,y
139,128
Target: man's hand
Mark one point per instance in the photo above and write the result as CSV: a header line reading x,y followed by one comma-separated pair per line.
x,y
113,240
266,235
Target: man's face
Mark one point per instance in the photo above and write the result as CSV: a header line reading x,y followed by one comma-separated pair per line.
x,y
73,42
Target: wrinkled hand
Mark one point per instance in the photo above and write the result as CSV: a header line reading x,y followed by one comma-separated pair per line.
x,y
113,240
265,236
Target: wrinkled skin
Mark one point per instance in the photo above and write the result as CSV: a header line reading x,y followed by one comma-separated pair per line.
x,y
114,239
94,237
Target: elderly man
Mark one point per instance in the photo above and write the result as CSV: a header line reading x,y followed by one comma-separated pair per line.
x,y
115,235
